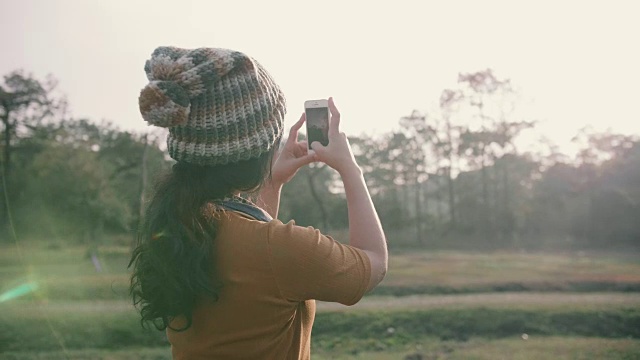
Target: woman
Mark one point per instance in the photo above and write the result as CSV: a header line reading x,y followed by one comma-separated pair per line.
x,y
219,273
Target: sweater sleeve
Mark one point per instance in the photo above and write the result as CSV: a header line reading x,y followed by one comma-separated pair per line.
x,y
308,265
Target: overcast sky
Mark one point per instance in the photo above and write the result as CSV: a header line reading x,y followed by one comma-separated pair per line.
x,y
576,63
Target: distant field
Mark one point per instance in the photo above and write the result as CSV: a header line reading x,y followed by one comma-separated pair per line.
x,y
516,300
534,348
69,274
460,272
454,305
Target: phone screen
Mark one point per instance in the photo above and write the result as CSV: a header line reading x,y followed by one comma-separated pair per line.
x,y
318,125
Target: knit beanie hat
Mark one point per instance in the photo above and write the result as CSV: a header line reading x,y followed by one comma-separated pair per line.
x,y
220,105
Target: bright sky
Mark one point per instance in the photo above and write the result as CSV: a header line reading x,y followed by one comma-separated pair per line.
x,y
576,63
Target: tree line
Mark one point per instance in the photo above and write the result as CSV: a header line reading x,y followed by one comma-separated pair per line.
x,y
451,177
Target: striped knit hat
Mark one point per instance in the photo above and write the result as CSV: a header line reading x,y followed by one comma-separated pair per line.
x,y
220,105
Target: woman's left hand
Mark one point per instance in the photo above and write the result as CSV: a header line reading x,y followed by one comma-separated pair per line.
x,y
294,155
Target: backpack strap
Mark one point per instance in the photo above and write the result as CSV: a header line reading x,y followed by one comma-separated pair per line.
x,y
246,208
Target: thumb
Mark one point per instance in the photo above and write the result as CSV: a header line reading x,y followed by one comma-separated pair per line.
x,y
318,148
304,160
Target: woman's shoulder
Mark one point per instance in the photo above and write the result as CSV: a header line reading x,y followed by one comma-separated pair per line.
x,y
276,231
288,227
290,234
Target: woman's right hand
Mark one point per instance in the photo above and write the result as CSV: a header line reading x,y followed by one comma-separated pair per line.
x,y
365,229
337,154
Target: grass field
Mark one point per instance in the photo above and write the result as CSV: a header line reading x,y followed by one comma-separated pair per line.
x,y
480,349
69,274
433,305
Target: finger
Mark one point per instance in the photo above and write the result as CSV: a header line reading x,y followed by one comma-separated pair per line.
x,y
334,125
312,153
318,148
293,133
304,160
302,148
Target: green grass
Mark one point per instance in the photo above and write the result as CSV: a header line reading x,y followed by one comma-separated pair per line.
x,y
515,348
505,295
79,328
68,273
43,331
401,327
133,353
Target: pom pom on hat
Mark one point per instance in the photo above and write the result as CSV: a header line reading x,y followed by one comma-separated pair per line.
x,y
164,104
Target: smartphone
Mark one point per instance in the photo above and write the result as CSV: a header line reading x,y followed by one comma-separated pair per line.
x,y
317,112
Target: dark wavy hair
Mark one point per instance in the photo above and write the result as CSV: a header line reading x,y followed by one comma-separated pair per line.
x,y
172,262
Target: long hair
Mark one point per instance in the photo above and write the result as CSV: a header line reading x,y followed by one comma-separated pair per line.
x,y
173,260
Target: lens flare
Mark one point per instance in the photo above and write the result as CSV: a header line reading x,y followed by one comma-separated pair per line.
x,y
18,291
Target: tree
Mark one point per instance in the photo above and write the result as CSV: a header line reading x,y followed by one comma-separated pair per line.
x,y
381,159
415,137
601,153
25,104
312,173
76,186
479,86
133,158
448,145
491,140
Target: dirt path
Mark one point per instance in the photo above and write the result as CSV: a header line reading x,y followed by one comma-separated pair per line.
x,y
384,303
506,299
